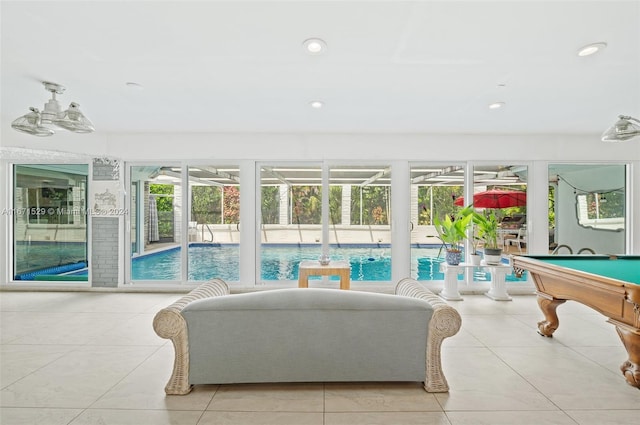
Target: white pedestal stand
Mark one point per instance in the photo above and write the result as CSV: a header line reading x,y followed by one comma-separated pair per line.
x,y
498,288
498,285
450,291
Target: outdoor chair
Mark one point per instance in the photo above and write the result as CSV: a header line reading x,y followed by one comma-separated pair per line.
x,y
520,240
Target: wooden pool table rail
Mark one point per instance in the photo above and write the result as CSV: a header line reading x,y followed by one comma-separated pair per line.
x,y
619,301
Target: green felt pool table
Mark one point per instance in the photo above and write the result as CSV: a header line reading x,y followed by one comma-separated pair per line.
x,y
608,284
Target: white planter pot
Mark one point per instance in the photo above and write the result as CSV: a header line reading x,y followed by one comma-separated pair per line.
x,y
492,256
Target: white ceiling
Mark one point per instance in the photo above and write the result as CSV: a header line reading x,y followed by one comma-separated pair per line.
x,y
391,66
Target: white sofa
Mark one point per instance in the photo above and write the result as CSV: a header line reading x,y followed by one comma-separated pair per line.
x,y
307,335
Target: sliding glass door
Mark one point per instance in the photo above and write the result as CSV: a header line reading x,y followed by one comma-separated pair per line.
x,y
295,227
213,229
50,222
156,223
501,190
360,219
434,190
290,219
189,221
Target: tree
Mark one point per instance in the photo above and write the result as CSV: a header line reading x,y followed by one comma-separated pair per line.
x,y
442,198
231,204
307,204
335,204
205,204
164,205
270,204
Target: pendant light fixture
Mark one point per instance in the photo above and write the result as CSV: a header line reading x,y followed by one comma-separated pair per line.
x,y
623,130
38,122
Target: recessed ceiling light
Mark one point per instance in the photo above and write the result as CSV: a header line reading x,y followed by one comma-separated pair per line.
x,y
592,48
496,105
315,46
316,104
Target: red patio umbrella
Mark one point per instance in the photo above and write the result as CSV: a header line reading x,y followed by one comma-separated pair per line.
x,y
496,198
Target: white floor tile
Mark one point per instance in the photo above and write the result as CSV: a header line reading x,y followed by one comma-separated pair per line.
x,y
19,361
375,397
605,417
143,388
77,379
510,418
136,417
269,398
570,380
261,418
486,382
386,418
32,416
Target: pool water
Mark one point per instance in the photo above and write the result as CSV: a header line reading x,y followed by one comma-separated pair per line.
x,y
207,261
280,262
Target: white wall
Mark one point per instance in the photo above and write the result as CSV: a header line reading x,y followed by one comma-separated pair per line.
x,y
388,147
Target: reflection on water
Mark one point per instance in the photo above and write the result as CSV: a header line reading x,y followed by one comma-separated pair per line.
x,y
30,258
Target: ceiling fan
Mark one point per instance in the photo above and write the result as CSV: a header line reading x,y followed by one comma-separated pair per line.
x,y
623,130
36,121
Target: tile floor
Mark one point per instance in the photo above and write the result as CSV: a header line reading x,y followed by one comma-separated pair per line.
x,y
93,358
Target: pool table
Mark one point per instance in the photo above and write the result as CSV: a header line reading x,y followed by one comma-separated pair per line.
x,y
609,284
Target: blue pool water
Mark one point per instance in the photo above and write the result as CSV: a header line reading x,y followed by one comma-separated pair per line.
x,y
280,262
207,261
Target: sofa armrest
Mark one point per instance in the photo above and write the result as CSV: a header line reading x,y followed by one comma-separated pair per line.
x,y
170,324
445,322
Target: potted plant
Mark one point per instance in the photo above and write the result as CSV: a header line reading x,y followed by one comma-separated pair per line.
x,y
488,231
452,232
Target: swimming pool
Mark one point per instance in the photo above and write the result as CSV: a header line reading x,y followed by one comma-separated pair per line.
x,y
280,262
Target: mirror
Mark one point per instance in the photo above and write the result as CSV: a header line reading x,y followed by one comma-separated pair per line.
x,y
585,199
601,210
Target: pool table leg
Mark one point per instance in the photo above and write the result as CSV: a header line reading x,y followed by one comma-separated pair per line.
x,y
631,340
548,306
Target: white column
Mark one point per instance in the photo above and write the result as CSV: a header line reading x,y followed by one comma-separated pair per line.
x,y
284,204
469,189
179,203
249,222
325,209
346,205
632,212
537,208
414,208
400,230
